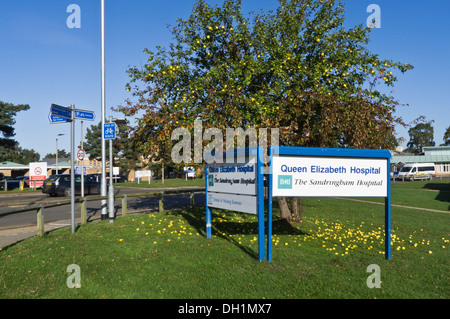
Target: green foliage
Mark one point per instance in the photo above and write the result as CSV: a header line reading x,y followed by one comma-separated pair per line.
x,y
61,154
420,135
296,68
7,113
9,148
122,147
447,137
23,156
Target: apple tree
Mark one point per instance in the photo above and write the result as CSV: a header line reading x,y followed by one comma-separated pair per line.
x,y
296,68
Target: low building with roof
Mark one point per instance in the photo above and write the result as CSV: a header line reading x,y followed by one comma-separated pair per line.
x,y
439,155
11,169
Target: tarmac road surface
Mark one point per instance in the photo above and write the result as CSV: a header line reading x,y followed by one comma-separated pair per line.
x,y
16,227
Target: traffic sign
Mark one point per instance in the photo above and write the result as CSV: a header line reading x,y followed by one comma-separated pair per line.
x,y
81,154
78,170
54,119
84,115
109,131
61,111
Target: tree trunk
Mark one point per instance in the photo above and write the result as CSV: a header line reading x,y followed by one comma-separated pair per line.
x,y
290,214
284,208
295,214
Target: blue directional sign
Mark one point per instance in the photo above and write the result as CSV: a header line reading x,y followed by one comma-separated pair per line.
x,y
54,119
109,131
61,111
84,115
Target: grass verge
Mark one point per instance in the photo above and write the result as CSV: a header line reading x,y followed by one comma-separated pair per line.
x,y
166,255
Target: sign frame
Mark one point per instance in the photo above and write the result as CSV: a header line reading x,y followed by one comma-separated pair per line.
x,y
37,173
84,115
258,197
56,120
330,152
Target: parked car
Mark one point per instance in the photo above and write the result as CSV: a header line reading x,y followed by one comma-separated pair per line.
x,y
60,185
12,182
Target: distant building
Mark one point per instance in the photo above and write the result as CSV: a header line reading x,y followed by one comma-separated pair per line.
x,y
63,165
439,155
11,169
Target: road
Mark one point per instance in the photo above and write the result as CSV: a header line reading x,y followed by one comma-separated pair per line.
x,y
16,227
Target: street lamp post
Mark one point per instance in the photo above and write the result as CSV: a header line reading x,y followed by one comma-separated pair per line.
x,y
104,212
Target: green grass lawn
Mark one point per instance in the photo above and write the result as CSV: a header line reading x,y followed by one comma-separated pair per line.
x,y
166,255
426,194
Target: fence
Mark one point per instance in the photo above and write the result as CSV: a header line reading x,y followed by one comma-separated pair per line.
x,y
40,208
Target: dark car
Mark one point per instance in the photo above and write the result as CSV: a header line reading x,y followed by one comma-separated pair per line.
x,y
60,185
12,182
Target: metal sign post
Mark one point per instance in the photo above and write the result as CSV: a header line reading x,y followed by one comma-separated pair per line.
x,y
81,158
61,114
72,170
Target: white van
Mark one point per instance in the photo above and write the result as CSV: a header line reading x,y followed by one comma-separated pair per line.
x,y
417,171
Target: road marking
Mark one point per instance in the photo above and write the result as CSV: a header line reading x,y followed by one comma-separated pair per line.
x,y
395,205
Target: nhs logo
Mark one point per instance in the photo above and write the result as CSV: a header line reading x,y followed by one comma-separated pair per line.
x,y
285,181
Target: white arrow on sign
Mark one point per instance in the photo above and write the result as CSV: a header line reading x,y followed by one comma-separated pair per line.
x,y
54,119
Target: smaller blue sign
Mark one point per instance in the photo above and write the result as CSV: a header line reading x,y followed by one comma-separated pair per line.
x,y
54,119
61,111
78,170
109,131
84,115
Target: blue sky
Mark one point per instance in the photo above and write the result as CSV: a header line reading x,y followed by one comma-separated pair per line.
x,y
42,61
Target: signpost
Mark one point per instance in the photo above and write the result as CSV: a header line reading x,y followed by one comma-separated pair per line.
x,y
81,154
238,187
109,130
61,111
310,171
84,115
62,114
54,119
297,172
80,170
38,173
139,174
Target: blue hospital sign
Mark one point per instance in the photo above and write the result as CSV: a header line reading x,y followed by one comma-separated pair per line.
x,y
329,176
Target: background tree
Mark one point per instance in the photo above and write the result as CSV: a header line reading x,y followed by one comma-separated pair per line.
x,y
24,156
296,68
8,112
61,154
447,137
419,136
